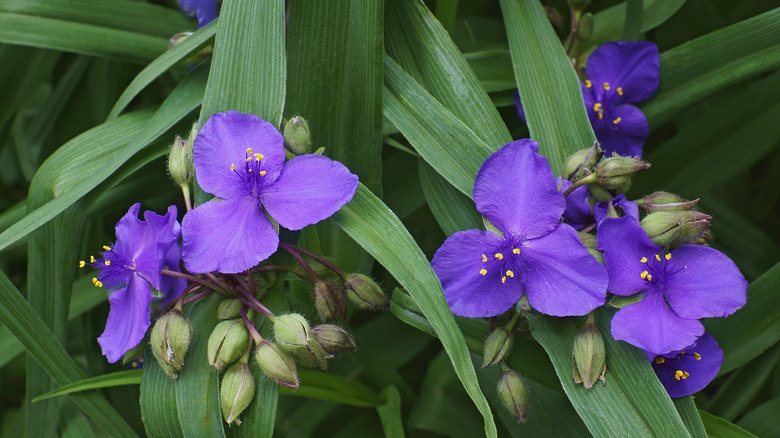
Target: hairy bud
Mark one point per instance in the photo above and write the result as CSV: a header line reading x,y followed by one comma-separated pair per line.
x,y
227,343
589,355
170,340
365,293
236,391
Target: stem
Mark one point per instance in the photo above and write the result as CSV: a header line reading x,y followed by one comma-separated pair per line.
x,y
300,260
250,326
198,296
252,302
185,191
575,24
317,257
590,179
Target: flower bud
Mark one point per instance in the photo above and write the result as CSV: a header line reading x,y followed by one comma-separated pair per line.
x,y
170,339
665,201
297,138
320,270
615,172
312,355
589,355
513,393
291,332
589,241
180,166
227,343
236,391
333,339
497,345
585,27
229,308
580,164
329,300
675,227
365,293
277,364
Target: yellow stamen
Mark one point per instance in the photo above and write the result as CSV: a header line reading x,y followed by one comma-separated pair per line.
x,y
483,271
248,159
259,157
99,284
516,251
697,356
620,90
643,260
649,277
643,275
606,86
668,257
92,259
250,170
82,264
503,280
616,121
248,150
262,173
657,257
500,256
601,116
510,274
682,352
678,374
107,262
660,359
596,107
588,84
484,258
685,375
233,167
94,280
107,248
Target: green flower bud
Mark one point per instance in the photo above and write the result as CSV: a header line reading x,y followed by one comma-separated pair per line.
x,y
236,391
589,355
180,166
227,343
665,201
513,394
319,269
580,164
170,339
292,332
277,364
585,27
229,308
589,241
365,293
297,138
497,345
675,227
615,172
329,300
312,355
333,339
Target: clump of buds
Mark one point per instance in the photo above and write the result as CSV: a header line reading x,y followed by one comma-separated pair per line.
x,y
675,227
581,163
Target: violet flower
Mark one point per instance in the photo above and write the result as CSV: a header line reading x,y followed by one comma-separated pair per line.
x,y
618,74
678,287
130,269
485,274
620,203
240,158
204,10
689,370
578,212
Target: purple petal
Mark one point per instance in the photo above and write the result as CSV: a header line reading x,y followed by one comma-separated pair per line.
x,y
172,287
519,106
702,282
128,319
700,371
561,278
228,236
223,141
632,66
578,212
205,10
651,325
311,188
469,293
621,204
625,243
515,190
627,137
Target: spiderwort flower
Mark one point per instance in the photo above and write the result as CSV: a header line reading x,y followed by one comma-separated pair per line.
x,y
485,274
620,203
204,10
240,158
689,370
130,269
578,211
678,287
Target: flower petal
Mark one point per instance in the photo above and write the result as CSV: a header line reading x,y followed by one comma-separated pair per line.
x,y
205,10
700,372
228,236
627,136
223,141
128,319
311,188
621,204
561,278
172,287
625,243
651,325
578,211
458,264
515,190
632,66
702,282
519,106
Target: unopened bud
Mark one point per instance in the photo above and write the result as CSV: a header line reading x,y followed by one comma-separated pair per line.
x,y
170,340
297,138
320,270
277,364
236,391
665,201
589,355
333,339
329,300
227,343
180,165
615,172
585,27
312,355
497,345
365,293
229,308
580,164
513,393
675,227
292,332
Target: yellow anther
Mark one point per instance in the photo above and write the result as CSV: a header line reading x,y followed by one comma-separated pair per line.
x,y
588,84
643,275
643,260
233,167
107,248
685,375
82,263
682,352
250,169
99,284
92,259
657,257
94,280
697,356
516,251
107,262
262,173
601,116
659,359
510,274
668,257
596,107
620,90
500,256
259,157
484,258
503,280
606,86
248,150
678,374
248,159
483,271
616,121
649,277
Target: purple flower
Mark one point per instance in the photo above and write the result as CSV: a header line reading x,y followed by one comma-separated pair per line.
x,y
204,10
621,204
677,287
618,74
578,211
485,274
240,158
689,370
130,269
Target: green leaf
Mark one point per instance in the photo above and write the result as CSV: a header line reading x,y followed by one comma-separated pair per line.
x,y
690,416
607,24
452,210
324,386
756,422
158,401
119,378
720,428
390,413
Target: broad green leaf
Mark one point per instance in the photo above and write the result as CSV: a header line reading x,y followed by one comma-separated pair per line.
x,y
31,66
632,26
756,422
607,24
379,232
720,428
325,386
390,413
690,416
452,209
158,401
119,378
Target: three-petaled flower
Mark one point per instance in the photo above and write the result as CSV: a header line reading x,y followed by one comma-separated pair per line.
x,y
241,159
130,268
678,287
485,274
689,370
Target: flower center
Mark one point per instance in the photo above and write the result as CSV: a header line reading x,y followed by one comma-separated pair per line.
x,y
251,171
655,271
502,264
679,374
602,100
114,269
